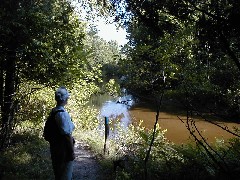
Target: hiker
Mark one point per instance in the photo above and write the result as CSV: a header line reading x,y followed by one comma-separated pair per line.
x,y
62,147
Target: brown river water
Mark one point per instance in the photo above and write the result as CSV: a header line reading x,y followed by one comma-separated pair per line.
x,y
176,129
168,119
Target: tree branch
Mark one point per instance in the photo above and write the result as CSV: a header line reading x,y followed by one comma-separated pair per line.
x,y
154,132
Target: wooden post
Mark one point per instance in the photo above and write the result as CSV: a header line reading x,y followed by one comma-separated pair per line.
x,y
106,133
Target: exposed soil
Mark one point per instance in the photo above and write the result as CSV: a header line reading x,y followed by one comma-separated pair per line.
x,y
85,165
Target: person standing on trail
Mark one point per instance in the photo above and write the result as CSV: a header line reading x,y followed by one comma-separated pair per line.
x,y
62,146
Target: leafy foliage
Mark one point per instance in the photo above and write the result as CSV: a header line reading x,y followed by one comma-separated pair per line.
x,y
42,43
112,88
48,41
184,46
102,54
188,47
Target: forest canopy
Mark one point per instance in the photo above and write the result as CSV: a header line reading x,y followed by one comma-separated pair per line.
x,y
188,47
45,44
186,50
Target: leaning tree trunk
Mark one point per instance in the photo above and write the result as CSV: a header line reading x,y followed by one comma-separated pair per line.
x,y
7,108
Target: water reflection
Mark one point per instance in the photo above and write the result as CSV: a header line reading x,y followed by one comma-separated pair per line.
x,y
118,109
122,109
97,100
115,110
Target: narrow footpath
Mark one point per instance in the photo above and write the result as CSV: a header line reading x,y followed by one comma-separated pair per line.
x,y
85,166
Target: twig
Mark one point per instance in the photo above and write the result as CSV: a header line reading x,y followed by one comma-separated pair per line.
x,y
204,143
224,128
153,137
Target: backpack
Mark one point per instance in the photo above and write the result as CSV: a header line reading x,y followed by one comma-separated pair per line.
x,y
51,131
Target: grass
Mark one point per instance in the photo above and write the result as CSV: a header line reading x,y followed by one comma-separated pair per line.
x,y
27,158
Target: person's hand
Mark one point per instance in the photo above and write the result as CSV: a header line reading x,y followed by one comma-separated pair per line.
x,y
72,156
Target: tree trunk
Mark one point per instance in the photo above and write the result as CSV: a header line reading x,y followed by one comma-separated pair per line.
x,y
8,100
1,85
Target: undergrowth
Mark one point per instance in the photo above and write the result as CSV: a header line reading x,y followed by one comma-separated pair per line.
x,y
28,157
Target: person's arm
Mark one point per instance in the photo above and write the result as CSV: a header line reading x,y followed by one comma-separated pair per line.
x,y
66,130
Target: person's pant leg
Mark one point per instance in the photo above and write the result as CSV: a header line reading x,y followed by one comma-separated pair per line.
x,y
68,170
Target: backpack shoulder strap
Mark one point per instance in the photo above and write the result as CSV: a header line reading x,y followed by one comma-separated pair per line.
x,y
57,111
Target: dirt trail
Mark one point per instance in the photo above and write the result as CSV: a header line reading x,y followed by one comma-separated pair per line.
x,y
85,165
